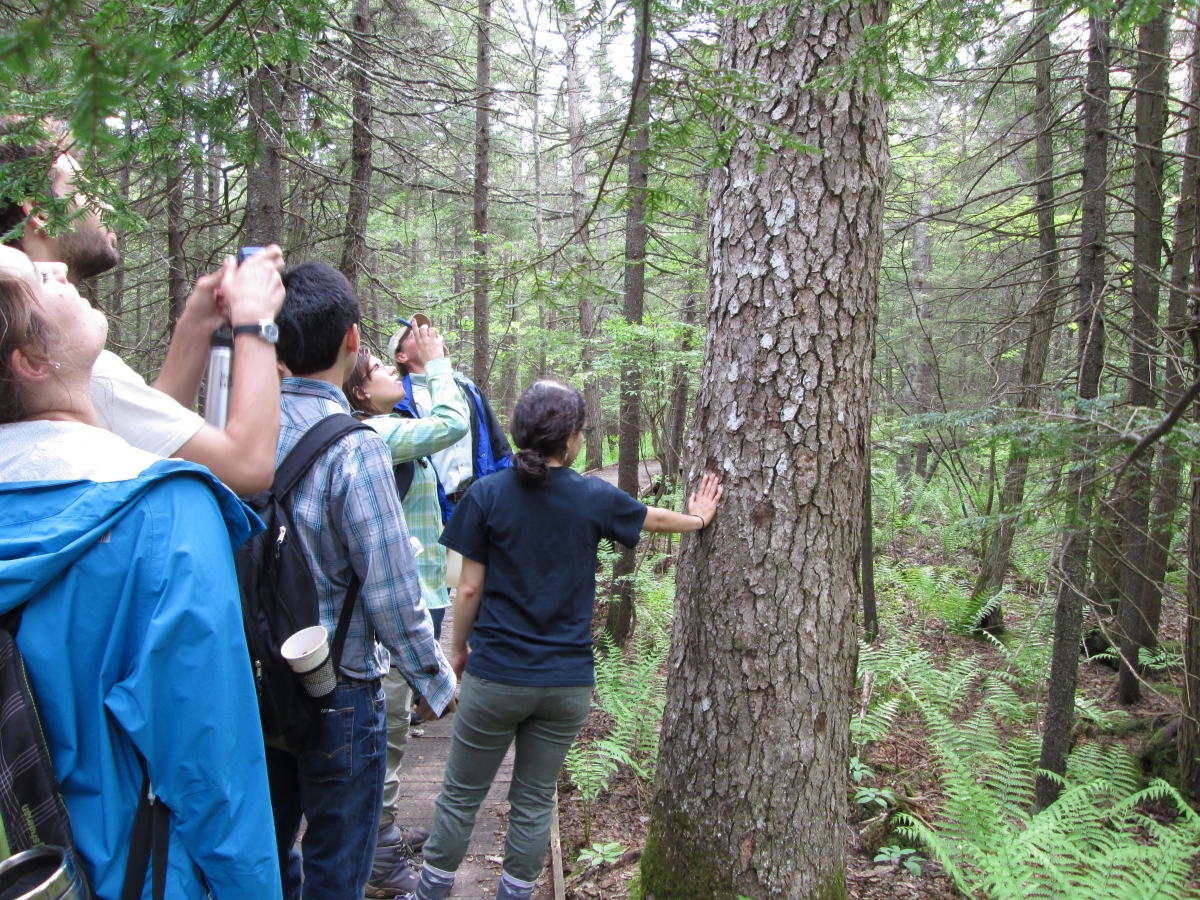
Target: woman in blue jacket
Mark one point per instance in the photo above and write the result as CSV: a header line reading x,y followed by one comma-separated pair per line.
x,y
131,631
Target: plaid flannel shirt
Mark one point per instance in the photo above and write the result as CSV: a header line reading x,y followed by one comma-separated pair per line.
x,y
414,439
347,514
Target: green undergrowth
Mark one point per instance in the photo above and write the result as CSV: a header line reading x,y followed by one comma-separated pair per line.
x,y
1109,835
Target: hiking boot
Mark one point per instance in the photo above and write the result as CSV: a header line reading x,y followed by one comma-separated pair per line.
x,y
399,878
415,838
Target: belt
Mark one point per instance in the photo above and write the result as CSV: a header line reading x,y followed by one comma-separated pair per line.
x,y
456,496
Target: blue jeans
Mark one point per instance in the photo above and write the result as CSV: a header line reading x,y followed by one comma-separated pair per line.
x,y
337,785
437,615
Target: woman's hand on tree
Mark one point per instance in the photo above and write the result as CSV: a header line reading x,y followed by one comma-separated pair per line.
x,y
703,502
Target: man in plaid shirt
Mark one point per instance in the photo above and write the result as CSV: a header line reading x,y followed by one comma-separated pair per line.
x,y
348,517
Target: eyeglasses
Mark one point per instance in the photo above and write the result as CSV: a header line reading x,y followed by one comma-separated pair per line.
x,y
587,429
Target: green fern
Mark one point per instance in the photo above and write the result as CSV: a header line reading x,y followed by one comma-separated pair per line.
x,y
1094,842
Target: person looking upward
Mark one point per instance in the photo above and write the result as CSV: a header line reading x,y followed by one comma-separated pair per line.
x,y
120,565
161,419
482,452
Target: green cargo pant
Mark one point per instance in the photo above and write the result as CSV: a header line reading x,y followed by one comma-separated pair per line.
x,y
399,697
544,721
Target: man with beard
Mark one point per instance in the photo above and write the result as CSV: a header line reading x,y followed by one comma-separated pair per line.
x,y
160,419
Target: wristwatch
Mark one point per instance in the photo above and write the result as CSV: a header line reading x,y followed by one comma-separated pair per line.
x,y
264,328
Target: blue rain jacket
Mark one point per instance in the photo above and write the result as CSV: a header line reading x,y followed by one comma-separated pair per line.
x,y
133,637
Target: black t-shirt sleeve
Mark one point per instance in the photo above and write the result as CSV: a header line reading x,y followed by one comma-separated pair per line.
x,y
466,531
626,515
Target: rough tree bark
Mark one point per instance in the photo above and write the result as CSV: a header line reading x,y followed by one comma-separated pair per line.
x,y
750,796
354,246
481,360
629,440
1037,343
1150,118
1166,499
1089,314
264,186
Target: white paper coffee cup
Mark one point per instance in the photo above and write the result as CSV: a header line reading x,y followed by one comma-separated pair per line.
x,y
307,649
453,568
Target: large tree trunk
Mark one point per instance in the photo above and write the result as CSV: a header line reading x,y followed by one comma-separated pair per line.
x,y
594,442
1037,343
750,796
481,362
177,288
1150,115
354,247
629,443
264,186
1165,503
1072,588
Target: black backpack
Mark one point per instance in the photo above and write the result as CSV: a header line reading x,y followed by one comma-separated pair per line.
x,y
279,597
32,812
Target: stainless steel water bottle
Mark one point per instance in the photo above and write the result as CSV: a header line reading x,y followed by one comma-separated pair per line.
x,y
218,385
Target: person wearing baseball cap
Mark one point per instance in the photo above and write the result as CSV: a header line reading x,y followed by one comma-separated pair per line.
x,y
482,452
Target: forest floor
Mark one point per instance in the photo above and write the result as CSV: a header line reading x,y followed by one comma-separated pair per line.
x,y
902,760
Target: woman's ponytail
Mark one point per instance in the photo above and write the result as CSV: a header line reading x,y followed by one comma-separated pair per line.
x,y
531,466
547,414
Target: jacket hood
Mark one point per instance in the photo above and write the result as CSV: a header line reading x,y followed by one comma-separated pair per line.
x,y
45,526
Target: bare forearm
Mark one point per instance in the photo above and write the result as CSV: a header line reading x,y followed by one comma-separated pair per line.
x,y
243,455
665,521
187,359
466,608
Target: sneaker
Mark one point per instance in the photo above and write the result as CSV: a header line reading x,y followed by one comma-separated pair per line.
x,y
414,720
398,879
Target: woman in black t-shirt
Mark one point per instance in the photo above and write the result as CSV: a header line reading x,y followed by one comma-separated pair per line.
x,y
528,536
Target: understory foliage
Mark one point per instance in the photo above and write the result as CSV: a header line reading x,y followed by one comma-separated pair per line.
x,y
1107,836
631,686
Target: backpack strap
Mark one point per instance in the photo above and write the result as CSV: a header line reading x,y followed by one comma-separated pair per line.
x,y
343,625
150,837
316,440
404,473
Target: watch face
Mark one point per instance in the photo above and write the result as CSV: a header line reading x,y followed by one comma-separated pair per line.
x,y
270,331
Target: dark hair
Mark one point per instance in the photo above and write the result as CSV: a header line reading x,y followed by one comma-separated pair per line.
x,y
23,326
358,377
547,414
318,309
28,149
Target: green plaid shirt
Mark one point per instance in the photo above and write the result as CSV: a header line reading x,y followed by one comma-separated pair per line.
x,y
415,439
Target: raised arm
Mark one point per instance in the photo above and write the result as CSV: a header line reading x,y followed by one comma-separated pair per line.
x,y
701,508
243,455
448,420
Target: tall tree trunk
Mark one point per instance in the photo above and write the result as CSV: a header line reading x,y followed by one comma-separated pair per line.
x,y
1072,588
750,796
1150,115
679,403
177,289
1189,729
922,276
1165,503
354,248
264,186
594,442
867,564
1037,343
481,362
116,307
629,442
